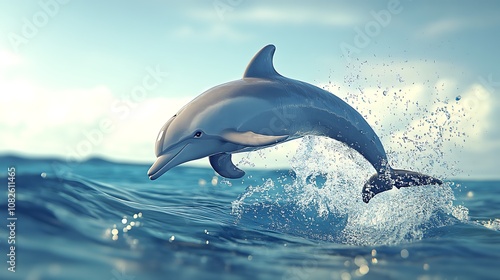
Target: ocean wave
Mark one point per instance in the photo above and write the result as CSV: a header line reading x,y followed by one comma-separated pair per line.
x,y
104,220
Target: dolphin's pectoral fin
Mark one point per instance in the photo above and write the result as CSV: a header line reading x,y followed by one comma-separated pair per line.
x,y
252,139
396,178
223,165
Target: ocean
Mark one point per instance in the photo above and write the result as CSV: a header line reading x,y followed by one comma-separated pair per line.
x,y
99,219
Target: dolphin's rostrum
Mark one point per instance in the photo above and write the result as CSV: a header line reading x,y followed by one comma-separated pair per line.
x,y
264,109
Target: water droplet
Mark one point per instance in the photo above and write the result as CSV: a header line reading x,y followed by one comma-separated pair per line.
x,y
345,276
364,269
215,180
360,261
404,253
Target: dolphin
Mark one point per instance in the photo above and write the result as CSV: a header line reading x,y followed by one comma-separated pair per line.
x,y
263,109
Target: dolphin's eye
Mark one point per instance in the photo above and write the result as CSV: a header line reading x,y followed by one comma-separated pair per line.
x,y
198,134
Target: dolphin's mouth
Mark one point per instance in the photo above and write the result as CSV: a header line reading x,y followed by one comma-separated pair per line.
x,y
163,163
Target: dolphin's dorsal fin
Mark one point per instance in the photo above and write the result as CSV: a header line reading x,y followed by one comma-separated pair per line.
x,y
261,65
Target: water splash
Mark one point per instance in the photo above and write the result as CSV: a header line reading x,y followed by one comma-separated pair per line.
x,y
493,224
321,199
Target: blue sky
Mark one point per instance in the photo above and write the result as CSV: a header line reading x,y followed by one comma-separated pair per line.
x,y
73,74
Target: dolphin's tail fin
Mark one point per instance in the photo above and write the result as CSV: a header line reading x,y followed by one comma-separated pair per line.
x,y
395,178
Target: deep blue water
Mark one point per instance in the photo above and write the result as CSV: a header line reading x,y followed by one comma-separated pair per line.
x,y
72,223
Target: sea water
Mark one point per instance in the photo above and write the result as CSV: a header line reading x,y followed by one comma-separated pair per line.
x,y
106,220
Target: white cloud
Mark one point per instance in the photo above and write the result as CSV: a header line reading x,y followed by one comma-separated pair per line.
x,y
449,25
219,21
8,59
288,14
443,26
211,32
38,118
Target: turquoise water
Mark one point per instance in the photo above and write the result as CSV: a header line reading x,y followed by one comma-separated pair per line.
x,y
105,220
